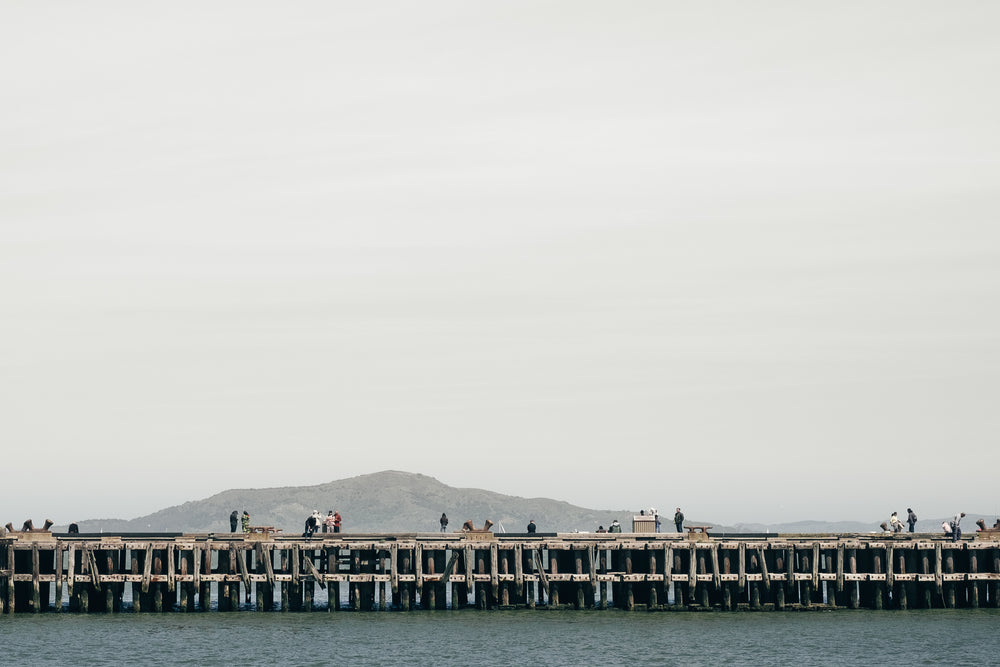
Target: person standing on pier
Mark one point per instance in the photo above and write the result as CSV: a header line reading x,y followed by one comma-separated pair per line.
x,y
328,522
679,520
246,521
234,519
336,521
956,528
657,519
444,522
911,518
531,526
615,527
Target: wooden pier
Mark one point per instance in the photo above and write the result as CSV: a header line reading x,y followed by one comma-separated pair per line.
x,y
102,573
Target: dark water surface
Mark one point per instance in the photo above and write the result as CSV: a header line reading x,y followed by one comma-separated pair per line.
x,y
508,638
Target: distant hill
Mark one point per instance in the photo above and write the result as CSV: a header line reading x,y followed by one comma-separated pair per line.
x,y
388,501
394,501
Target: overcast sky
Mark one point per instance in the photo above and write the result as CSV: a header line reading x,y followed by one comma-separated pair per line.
x,y
738,257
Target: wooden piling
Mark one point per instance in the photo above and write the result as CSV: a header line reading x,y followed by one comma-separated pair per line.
x,y
950,598
995,590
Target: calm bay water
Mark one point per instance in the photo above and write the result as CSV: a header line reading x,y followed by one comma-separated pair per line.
x,y
468,637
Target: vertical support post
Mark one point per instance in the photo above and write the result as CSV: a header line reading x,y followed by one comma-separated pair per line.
x,y
494,572
693,583
333,567
36,602
741,580
878,587
196,573
418,561
668,564
949,587
779,590
58,567
854,600
406,594
901,591
505,586
74,602
185,587
12,566
805,562
519,574
973,584
995,597
840,574
234,586
754,567
157,569
205,592
309,585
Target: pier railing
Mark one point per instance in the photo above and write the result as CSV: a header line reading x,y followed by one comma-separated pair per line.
x,y
44,572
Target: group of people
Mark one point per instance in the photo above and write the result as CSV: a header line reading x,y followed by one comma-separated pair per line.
x,y
616,527
243,522
896,524
332,521
951,527
329,524
315,522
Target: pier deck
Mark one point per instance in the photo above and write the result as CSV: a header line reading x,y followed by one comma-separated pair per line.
x,y
45,572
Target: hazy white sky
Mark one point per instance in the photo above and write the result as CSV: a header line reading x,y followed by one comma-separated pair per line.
x,y
740,257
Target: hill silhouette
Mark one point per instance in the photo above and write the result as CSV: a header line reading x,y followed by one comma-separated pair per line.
x,y
387,501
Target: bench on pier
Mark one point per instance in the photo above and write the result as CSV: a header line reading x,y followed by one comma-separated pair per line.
x,y
698,532
478,535
261,532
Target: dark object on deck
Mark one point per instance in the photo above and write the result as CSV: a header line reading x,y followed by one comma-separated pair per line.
x,y
698,532
467,527
74,529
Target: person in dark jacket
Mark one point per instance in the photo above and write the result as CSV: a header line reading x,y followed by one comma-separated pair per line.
x,y
531,526
911,518
444,522
679,520
234,519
